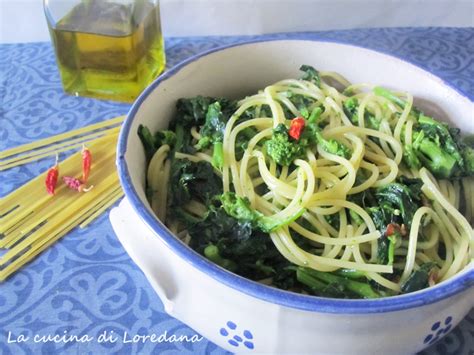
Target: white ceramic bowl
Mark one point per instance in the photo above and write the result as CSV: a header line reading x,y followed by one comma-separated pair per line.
x,y
241,315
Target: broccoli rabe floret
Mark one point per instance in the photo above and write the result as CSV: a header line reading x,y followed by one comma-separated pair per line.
x,y
284,150
315,115
332,146
311,74
435,145
313,136
212,132
435,148
440,133
351,107
431,155
239,208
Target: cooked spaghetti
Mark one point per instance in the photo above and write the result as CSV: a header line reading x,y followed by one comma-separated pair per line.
x,y
335,190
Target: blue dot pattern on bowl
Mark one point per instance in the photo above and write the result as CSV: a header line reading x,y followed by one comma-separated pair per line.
x,y
237,338
233,342
247,334
437,331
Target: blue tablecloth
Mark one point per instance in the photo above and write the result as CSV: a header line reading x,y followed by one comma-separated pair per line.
x,y
86,284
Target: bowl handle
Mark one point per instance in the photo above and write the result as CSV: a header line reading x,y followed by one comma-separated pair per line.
x,y
139,242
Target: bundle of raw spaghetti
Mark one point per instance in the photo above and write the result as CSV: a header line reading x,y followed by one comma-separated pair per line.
x,y
31,219
59,143
339,191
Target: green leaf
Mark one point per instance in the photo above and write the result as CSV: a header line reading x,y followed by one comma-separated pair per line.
x,y
311,74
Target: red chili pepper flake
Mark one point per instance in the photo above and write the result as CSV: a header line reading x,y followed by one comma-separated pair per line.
x,y
52,178
86,163
395,228
76,184
296,127
433,277
390,230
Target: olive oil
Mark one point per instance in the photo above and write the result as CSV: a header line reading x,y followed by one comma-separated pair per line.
x,y
109,50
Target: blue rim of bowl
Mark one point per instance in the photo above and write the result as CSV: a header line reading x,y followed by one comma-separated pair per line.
x,y
252,288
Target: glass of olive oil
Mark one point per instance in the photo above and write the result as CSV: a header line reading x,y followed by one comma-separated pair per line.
x,y
106,49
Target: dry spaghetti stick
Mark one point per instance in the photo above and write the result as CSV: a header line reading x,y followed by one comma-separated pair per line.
x,y
43,231
23,193
114,198
114,190
47,207
60,137
52,150
34,191
71,215
35,249
56,206
107,196
78,205
21,226
54,146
